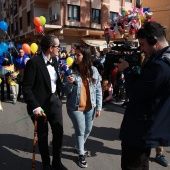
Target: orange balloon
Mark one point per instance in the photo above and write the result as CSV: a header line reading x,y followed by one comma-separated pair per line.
x,y
26,48
37,21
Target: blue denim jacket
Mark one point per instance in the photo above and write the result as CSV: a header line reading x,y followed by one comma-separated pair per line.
x,y
73,91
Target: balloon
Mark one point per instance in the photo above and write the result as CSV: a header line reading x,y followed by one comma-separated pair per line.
x,y
1,52
34,47
3,25
69,61
39,29
26,48
4,47
43,20
37,21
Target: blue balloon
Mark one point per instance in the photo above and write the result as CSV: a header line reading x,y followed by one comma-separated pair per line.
x,y
146,9
1,52
3,25
4,47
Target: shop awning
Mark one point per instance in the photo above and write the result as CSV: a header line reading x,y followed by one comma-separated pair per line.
x,y
96,42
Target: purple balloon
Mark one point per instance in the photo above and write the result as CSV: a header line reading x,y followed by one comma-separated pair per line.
x,y
3,25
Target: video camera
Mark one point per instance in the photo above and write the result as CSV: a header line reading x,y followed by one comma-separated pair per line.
x,y
125,50
133,58
122,50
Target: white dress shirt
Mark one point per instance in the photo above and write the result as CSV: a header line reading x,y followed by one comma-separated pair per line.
x,y
52,72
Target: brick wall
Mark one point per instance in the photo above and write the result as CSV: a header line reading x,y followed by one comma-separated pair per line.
x,y
85,10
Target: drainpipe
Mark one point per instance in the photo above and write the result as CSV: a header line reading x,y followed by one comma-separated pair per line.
x,y
121,5
90,12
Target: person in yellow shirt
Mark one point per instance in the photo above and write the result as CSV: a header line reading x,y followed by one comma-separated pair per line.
x,y
12,79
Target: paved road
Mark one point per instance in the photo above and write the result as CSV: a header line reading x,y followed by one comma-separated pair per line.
x,y
16,140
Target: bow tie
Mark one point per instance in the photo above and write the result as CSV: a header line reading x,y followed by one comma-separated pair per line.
x,y
49,63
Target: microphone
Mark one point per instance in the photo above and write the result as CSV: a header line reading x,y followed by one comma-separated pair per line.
x,y
64,69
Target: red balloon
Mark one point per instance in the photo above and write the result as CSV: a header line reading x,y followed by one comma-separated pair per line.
x,y
39,29
37,21
132,31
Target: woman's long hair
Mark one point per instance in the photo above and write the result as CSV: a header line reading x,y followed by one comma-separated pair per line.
x,y
87,62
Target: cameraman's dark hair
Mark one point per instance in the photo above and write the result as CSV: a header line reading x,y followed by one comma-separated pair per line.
x,y
47,41
152,31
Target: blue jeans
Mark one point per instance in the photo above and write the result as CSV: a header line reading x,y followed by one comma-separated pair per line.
x,y
82,122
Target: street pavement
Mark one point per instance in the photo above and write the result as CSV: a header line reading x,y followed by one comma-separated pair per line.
x,y
16,140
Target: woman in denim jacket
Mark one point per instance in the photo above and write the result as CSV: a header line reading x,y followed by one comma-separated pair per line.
x,y
84,98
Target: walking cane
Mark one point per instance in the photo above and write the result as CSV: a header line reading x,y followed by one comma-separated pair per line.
x,y
35,138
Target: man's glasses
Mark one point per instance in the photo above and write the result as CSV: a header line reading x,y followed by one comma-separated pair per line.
x,y
56,46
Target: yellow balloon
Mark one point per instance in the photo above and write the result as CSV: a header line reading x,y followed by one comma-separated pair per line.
x,y
69,61
34,47
142,17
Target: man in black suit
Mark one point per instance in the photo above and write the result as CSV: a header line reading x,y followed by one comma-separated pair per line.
x,y
41,92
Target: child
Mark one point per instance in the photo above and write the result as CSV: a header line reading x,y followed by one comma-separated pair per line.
x,y
12,79
107,91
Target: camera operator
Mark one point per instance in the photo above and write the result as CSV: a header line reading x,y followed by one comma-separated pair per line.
x,y
146,122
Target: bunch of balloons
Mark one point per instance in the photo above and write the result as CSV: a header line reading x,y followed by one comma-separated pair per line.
x,y
3,48
39,22
127,23
3,25
28,49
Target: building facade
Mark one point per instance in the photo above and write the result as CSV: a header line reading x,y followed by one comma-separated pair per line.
x,y
161,13
73,21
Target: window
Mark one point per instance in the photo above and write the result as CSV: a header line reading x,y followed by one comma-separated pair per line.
x,y
15,9
50,12
96,16
20,2
12,28
4,4
20,22
112,15
28,18
16,28
73,13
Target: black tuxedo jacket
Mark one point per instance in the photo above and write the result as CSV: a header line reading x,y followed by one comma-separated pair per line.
x,y
37,83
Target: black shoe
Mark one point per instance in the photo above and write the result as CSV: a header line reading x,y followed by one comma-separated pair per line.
x,y
47,167
124,104
82,161
59,166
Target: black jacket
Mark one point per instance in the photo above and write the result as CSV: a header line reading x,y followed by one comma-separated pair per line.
x,y
146,121
37,84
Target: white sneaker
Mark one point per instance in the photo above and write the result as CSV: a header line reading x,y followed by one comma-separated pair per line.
x,y
1,108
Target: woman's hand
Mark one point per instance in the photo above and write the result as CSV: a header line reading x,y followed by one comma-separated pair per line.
x,y
97,114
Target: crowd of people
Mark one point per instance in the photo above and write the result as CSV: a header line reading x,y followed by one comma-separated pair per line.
x,y
88,85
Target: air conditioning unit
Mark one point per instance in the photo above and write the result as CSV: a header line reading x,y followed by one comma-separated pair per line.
x,y
55,16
